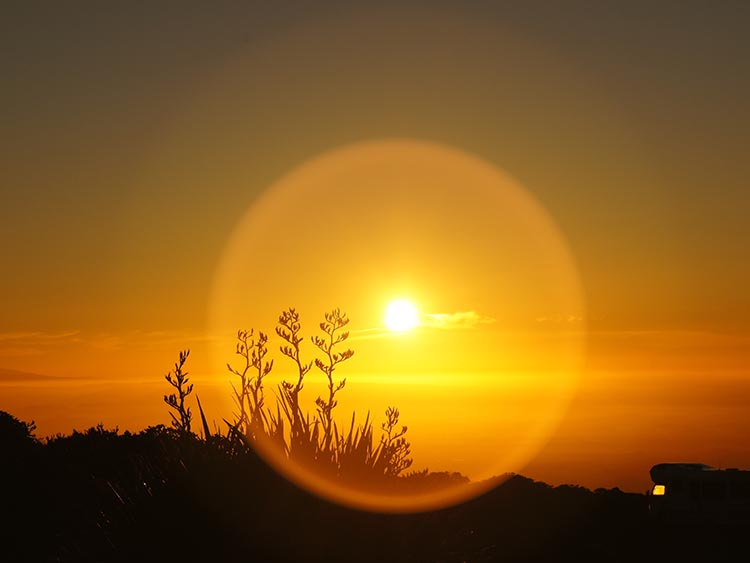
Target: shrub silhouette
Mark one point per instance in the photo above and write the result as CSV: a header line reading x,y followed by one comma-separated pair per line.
x,y
16,434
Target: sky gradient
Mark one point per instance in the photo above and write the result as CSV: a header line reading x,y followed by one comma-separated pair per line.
x,y
136,140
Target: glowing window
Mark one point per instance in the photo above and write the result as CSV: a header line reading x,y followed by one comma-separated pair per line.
x,y
659,490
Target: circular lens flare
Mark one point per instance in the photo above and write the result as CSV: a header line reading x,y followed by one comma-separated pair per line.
x,y
485,380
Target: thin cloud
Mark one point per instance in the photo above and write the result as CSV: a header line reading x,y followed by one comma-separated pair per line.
x,y
560,319
36,335
33,343
459,320
370,333
19,351
30,343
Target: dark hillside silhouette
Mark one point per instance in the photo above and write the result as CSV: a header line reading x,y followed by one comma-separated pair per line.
x,y
101,495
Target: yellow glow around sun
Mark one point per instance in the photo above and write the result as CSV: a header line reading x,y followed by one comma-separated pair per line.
x,y
401,315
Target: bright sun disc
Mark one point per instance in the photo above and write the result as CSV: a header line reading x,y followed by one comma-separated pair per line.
x,y
401,315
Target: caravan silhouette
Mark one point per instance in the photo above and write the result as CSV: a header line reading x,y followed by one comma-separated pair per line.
x,y
696,492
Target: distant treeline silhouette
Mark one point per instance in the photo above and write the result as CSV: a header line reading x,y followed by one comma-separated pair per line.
x,y
165,495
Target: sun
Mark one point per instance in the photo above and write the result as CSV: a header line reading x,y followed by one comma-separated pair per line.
x,y
401,315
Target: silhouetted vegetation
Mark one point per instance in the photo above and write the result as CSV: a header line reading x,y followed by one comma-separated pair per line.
x,y
176,401
353,455
165,494
17,435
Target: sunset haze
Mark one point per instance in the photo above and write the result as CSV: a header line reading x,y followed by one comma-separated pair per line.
x,y
560,193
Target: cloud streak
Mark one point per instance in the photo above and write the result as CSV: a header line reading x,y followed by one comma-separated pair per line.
x,y
459,320
34,343
37,335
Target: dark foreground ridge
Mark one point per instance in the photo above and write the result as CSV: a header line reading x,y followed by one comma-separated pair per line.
x,y
162,496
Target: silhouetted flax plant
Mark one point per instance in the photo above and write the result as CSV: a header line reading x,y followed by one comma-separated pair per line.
x,y
251,417
316,440
178,378
313,440
331,327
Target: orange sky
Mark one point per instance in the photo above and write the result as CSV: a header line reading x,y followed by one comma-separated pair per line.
x,y
137,148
